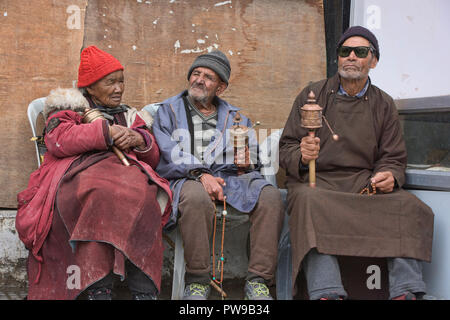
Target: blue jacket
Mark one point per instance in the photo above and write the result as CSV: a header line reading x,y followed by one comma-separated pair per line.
x,y
171,131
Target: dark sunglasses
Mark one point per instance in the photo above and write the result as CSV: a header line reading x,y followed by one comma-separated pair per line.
x,y
360,52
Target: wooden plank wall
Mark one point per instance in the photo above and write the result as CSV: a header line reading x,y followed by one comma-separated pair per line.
x,y
38,52
275,48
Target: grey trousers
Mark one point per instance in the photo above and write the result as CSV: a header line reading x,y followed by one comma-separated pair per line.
x,y
323,275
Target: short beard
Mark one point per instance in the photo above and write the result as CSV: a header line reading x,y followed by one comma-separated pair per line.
x,y
203,100
351,75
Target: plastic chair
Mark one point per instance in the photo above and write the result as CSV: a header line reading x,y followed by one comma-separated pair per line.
x,y
152,108
179,265
284,266
269,158
34,109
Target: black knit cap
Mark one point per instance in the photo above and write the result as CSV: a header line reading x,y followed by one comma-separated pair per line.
x,y
214,60
362,32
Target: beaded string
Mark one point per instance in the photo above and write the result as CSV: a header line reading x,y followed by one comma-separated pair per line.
x,y
367,189
221,259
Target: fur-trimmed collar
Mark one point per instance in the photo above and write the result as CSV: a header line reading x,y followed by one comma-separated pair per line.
x,y
65,99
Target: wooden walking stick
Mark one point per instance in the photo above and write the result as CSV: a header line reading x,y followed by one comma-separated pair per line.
x,y
91,115
311,119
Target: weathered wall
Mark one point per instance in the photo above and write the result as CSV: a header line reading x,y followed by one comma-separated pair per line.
x,y
274,47
38,52
13,277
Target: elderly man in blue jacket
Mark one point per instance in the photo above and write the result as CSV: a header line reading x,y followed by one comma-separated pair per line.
x,y
197,157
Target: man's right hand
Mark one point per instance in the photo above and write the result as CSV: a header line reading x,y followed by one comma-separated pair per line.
x,y
309,147
213,185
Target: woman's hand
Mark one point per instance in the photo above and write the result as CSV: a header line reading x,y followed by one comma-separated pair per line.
x,y
125,138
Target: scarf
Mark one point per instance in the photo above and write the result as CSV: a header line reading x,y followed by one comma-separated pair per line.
x,y
108,113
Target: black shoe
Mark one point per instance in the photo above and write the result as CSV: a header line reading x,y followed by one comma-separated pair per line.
x,y
100,294
143,296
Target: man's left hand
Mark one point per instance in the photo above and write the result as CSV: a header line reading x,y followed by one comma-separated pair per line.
x,y
384,181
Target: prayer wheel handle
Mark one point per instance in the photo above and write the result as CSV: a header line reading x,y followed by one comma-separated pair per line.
x,y
312,165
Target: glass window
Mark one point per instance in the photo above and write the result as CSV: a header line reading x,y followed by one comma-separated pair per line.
x,y
426,129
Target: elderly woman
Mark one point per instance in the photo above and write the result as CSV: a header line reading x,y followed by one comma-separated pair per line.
x,y
86,217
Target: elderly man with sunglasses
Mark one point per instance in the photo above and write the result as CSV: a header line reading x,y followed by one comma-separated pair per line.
x,y
357,207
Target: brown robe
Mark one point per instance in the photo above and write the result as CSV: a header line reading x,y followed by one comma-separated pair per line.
x,y
334,217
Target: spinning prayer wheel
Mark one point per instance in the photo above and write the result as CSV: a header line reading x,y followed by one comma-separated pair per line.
x,y
90,115
311,119
239,136
311,113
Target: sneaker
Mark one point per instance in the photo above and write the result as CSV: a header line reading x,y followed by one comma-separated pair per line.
x,y
196,291
406,296
256,290
99,294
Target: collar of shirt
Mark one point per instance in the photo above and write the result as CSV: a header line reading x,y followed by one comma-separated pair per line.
x,y
342,92
192,106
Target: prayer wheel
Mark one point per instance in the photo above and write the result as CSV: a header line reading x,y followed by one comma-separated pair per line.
x,y
311,119
239,136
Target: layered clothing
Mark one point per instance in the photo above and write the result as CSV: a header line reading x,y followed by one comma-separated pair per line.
x,y
84,213
173,134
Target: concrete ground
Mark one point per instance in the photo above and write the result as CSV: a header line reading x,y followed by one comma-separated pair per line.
x,y
234,289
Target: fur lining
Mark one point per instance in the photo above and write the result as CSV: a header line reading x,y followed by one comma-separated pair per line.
x,y
65,99
148,119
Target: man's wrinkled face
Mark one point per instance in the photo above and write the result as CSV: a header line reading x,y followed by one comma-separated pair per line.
x,y
204,85
108,91
352,67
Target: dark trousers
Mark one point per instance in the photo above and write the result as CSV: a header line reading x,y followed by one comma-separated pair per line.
x,y
138,281
196,225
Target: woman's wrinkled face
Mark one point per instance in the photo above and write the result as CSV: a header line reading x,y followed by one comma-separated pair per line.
x,y
108,91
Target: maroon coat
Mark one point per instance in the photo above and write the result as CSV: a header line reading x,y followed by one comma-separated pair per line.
x,y
125,207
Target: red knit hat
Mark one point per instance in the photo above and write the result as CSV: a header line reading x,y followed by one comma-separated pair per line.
x,y
94,65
